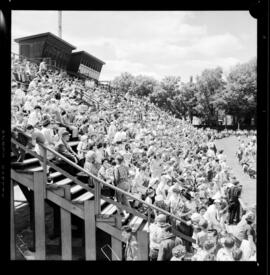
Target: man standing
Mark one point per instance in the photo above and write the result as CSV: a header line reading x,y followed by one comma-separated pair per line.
x,y
234,205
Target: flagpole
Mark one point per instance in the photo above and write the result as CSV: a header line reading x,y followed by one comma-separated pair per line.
x,y
60,24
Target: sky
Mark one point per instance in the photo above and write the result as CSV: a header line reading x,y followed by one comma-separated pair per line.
x,y
153,43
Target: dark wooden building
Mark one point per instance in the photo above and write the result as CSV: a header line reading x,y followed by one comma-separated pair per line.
x,y
85,65
46,45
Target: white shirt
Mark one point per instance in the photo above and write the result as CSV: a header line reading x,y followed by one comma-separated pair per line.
x,y
212,216
224,255
34,118
19,97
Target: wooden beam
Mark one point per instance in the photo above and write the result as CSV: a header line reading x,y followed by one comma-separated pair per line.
x,y
67,205
90,230
66,238
12,226
39,206
117,244
143,243
115,232
60,191
24,179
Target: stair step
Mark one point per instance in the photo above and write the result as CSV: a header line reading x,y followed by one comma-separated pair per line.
x,y
63,182
83,197
30,161
55,175
76,188
135,223
112,210
106,209
35,169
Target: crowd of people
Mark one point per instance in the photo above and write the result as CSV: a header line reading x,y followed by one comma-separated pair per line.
x,y
130,143
247,155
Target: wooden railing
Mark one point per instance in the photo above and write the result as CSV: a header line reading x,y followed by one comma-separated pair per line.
x,y
97,189
91,212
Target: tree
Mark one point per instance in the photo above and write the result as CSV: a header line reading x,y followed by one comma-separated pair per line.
x,y
123,82
171,84
159,97
186,100
241,91
209,88
143,86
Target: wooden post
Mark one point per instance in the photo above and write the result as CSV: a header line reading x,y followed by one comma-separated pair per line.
x,y
116,244
90,230
97,198
39,206
143,240
44,164
12,226
66,237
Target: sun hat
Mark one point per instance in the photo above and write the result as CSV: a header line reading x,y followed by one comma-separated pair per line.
x,y
46,122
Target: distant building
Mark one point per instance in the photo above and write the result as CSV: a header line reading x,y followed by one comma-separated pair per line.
x,y
85,65
46,45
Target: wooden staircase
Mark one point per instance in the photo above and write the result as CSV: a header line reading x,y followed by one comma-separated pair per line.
x,y
74,199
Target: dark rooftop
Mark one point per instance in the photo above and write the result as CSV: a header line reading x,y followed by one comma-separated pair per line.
x,y
43,34
86,53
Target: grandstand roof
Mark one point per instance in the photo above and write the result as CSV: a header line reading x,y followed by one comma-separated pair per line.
x,y
91,56
41,35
